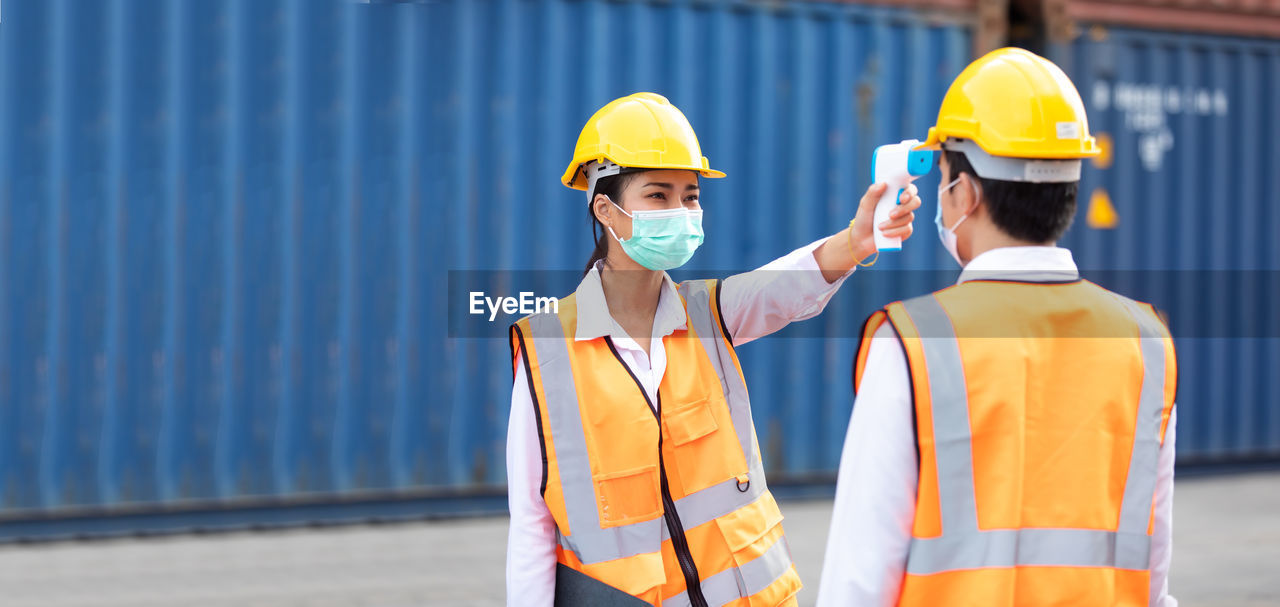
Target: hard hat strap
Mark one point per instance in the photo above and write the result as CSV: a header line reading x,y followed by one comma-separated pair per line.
x,y
1027,170
594,170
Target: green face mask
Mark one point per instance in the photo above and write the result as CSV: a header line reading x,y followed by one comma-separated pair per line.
x,y
662,239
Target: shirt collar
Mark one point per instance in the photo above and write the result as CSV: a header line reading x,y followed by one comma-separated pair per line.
x,y
595,321
1025,264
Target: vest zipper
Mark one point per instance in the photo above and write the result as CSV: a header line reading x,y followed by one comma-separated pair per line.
x,y
678,540
680,543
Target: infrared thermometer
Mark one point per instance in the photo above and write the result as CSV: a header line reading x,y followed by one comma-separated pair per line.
x,y
897,165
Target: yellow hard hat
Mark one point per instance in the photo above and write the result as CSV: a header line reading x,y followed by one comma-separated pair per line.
x,y
1015,104
641,130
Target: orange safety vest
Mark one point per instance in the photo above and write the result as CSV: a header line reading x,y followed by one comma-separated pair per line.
x,y
1040,409
664,501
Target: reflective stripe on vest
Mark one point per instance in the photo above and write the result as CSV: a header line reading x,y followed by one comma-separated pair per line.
x,y
592,544
589,541
962,545
698,302
739,582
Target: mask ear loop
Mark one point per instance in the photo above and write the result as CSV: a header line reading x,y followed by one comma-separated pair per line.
x,y
973,185
941,191
620,210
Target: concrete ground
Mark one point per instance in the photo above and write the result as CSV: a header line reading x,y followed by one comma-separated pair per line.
x,y
1226,553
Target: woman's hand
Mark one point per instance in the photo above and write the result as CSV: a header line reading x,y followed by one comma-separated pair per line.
x,y
851,245
898,226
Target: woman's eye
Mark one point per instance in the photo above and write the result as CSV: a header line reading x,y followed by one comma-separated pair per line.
x,y
691,199
658,195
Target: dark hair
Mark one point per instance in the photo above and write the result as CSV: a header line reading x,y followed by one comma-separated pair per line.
x,y
611,186
1034,212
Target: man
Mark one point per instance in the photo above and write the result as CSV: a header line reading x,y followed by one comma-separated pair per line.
x,y
1012,438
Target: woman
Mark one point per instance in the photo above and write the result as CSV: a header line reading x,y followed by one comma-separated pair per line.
x,y
634,473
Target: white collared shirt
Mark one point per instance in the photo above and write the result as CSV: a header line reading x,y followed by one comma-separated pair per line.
x,y
754,304
1034,264
876,491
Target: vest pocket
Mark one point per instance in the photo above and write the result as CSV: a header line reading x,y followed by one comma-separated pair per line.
x,y
705,450
629,496
753,535
690,422
747,525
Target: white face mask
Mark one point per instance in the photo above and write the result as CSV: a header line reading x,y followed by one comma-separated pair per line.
x,y
945,234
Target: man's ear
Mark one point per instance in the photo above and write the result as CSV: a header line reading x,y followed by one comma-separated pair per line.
x,y
974,187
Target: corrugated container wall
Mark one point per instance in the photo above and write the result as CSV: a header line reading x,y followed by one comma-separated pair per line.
x,y
228,226
230,231
1189,124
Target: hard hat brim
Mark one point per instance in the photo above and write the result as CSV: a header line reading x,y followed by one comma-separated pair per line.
x,y
573,177
935,140
931,142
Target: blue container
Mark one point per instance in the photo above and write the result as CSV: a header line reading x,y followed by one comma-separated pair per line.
x,y
1192,124
230,233
228,228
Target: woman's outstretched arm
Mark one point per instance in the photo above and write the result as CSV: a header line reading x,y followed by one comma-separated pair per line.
x,y
799,284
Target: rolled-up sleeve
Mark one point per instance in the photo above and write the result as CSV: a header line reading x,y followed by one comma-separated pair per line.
x,y
787,289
